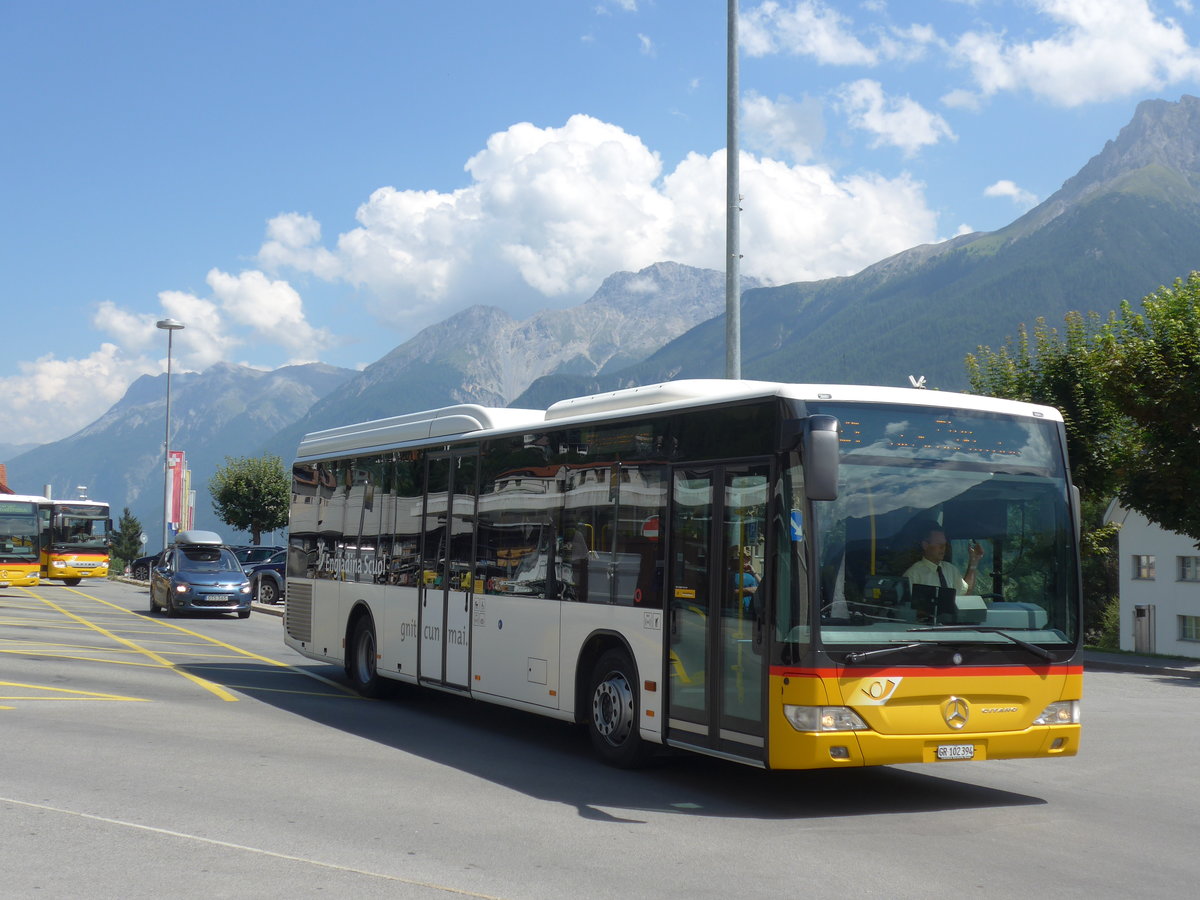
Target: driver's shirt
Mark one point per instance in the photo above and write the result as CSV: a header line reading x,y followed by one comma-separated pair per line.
x,y
925,572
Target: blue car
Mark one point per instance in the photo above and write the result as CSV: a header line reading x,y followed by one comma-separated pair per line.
x,y
199,574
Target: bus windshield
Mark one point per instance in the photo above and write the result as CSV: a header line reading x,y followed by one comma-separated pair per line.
x,y
81,526
950,527
18,531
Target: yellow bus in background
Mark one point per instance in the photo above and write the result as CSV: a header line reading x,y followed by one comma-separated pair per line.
x,y
22,522
75,540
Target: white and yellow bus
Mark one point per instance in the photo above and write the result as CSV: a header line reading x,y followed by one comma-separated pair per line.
x,y
77,540
716,566
22,520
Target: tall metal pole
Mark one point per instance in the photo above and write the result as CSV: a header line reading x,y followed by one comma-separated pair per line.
x,y
733,274
170,326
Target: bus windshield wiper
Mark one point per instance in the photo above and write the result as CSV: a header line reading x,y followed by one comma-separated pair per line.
x,y
991,629
859,655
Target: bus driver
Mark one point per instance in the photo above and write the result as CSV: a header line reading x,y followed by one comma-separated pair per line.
x,y
932,569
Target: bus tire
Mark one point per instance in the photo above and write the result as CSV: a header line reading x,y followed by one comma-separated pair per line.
x,y
361,658
613,724
71,582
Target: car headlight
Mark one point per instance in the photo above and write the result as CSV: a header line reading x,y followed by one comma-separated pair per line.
x,y
182,587
823,718
1061,712
245,589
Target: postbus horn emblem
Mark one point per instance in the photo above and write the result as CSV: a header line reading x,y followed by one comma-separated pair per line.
x,y
956,711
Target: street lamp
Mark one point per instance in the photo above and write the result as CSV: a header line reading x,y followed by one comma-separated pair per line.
x,y
169,326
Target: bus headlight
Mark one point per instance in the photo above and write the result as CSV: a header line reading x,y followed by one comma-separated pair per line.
x,y
59,564
1061,712
823,718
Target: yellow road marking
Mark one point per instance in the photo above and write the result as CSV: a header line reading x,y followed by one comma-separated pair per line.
x,y
163,661
76,695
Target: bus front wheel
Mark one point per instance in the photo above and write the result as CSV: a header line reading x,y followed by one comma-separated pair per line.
x,y
361,659
613,726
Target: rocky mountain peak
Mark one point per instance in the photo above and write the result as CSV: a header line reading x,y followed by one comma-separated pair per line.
x,y
1160,133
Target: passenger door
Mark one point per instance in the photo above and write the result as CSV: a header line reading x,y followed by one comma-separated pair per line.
x,y
715,629
447,581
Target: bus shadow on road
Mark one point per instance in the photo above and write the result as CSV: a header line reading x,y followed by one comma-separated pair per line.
x,y
552,760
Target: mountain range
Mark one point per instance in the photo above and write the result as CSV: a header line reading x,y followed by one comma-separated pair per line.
x,y
1126,223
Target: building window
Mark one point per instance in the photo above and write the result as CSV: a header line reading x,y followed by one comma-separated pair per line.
x,y
1189,628
1143,567
1189,568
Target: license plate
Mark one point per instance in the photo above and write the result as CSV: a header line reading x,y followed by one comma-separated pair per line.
x,y
956,751
217,598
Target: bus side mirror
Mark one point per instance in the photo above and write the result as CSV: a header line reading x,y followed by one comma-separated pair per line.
x,y
819,455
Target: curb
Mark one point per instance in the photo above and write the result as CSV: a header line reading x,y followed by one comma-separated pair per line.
x,y
1107,665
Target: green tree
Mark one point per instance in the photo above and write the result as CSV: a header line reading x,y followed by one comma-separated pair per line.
x,y
1153,378
251,494
126,546
1129,390
1068,371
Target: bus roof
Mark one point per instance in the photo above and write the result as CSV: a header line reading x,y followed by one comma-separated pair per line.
x,y
27,498
471,420
96,503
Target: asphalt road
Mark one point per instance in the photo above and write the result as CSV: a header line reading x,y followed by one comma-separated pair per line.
x,y
146,757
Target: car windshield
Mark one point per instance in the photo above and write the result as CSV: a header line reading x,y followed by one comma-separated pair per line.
x,y
207,559
949,527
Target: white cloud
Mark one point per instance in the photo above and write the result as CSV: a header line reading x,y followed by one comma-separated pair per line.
x,y
896,121
816,29
272,308
647,45
806,29
205,338
782,127
546,215
1100,50
551,212
89,386
1005,188
293,240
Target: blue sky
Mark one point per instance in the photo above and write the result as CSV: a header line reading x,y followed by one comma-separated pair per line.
x,y
318,181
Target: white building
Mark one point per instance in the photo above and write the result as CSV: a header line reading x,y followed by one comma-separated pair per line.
x,y
1160,587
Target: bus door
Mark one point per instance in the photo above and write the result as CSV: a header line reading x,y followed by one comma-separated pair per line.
x,y
447,578
715,630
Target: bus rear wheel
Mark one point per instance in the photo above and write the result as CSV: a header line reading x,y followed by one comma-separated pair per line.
x,y
361,658
613,726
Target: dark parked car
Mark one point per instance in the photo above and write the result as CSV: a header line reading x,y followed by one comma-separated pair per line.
x,y
253,554
199,574
267,579
140,568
